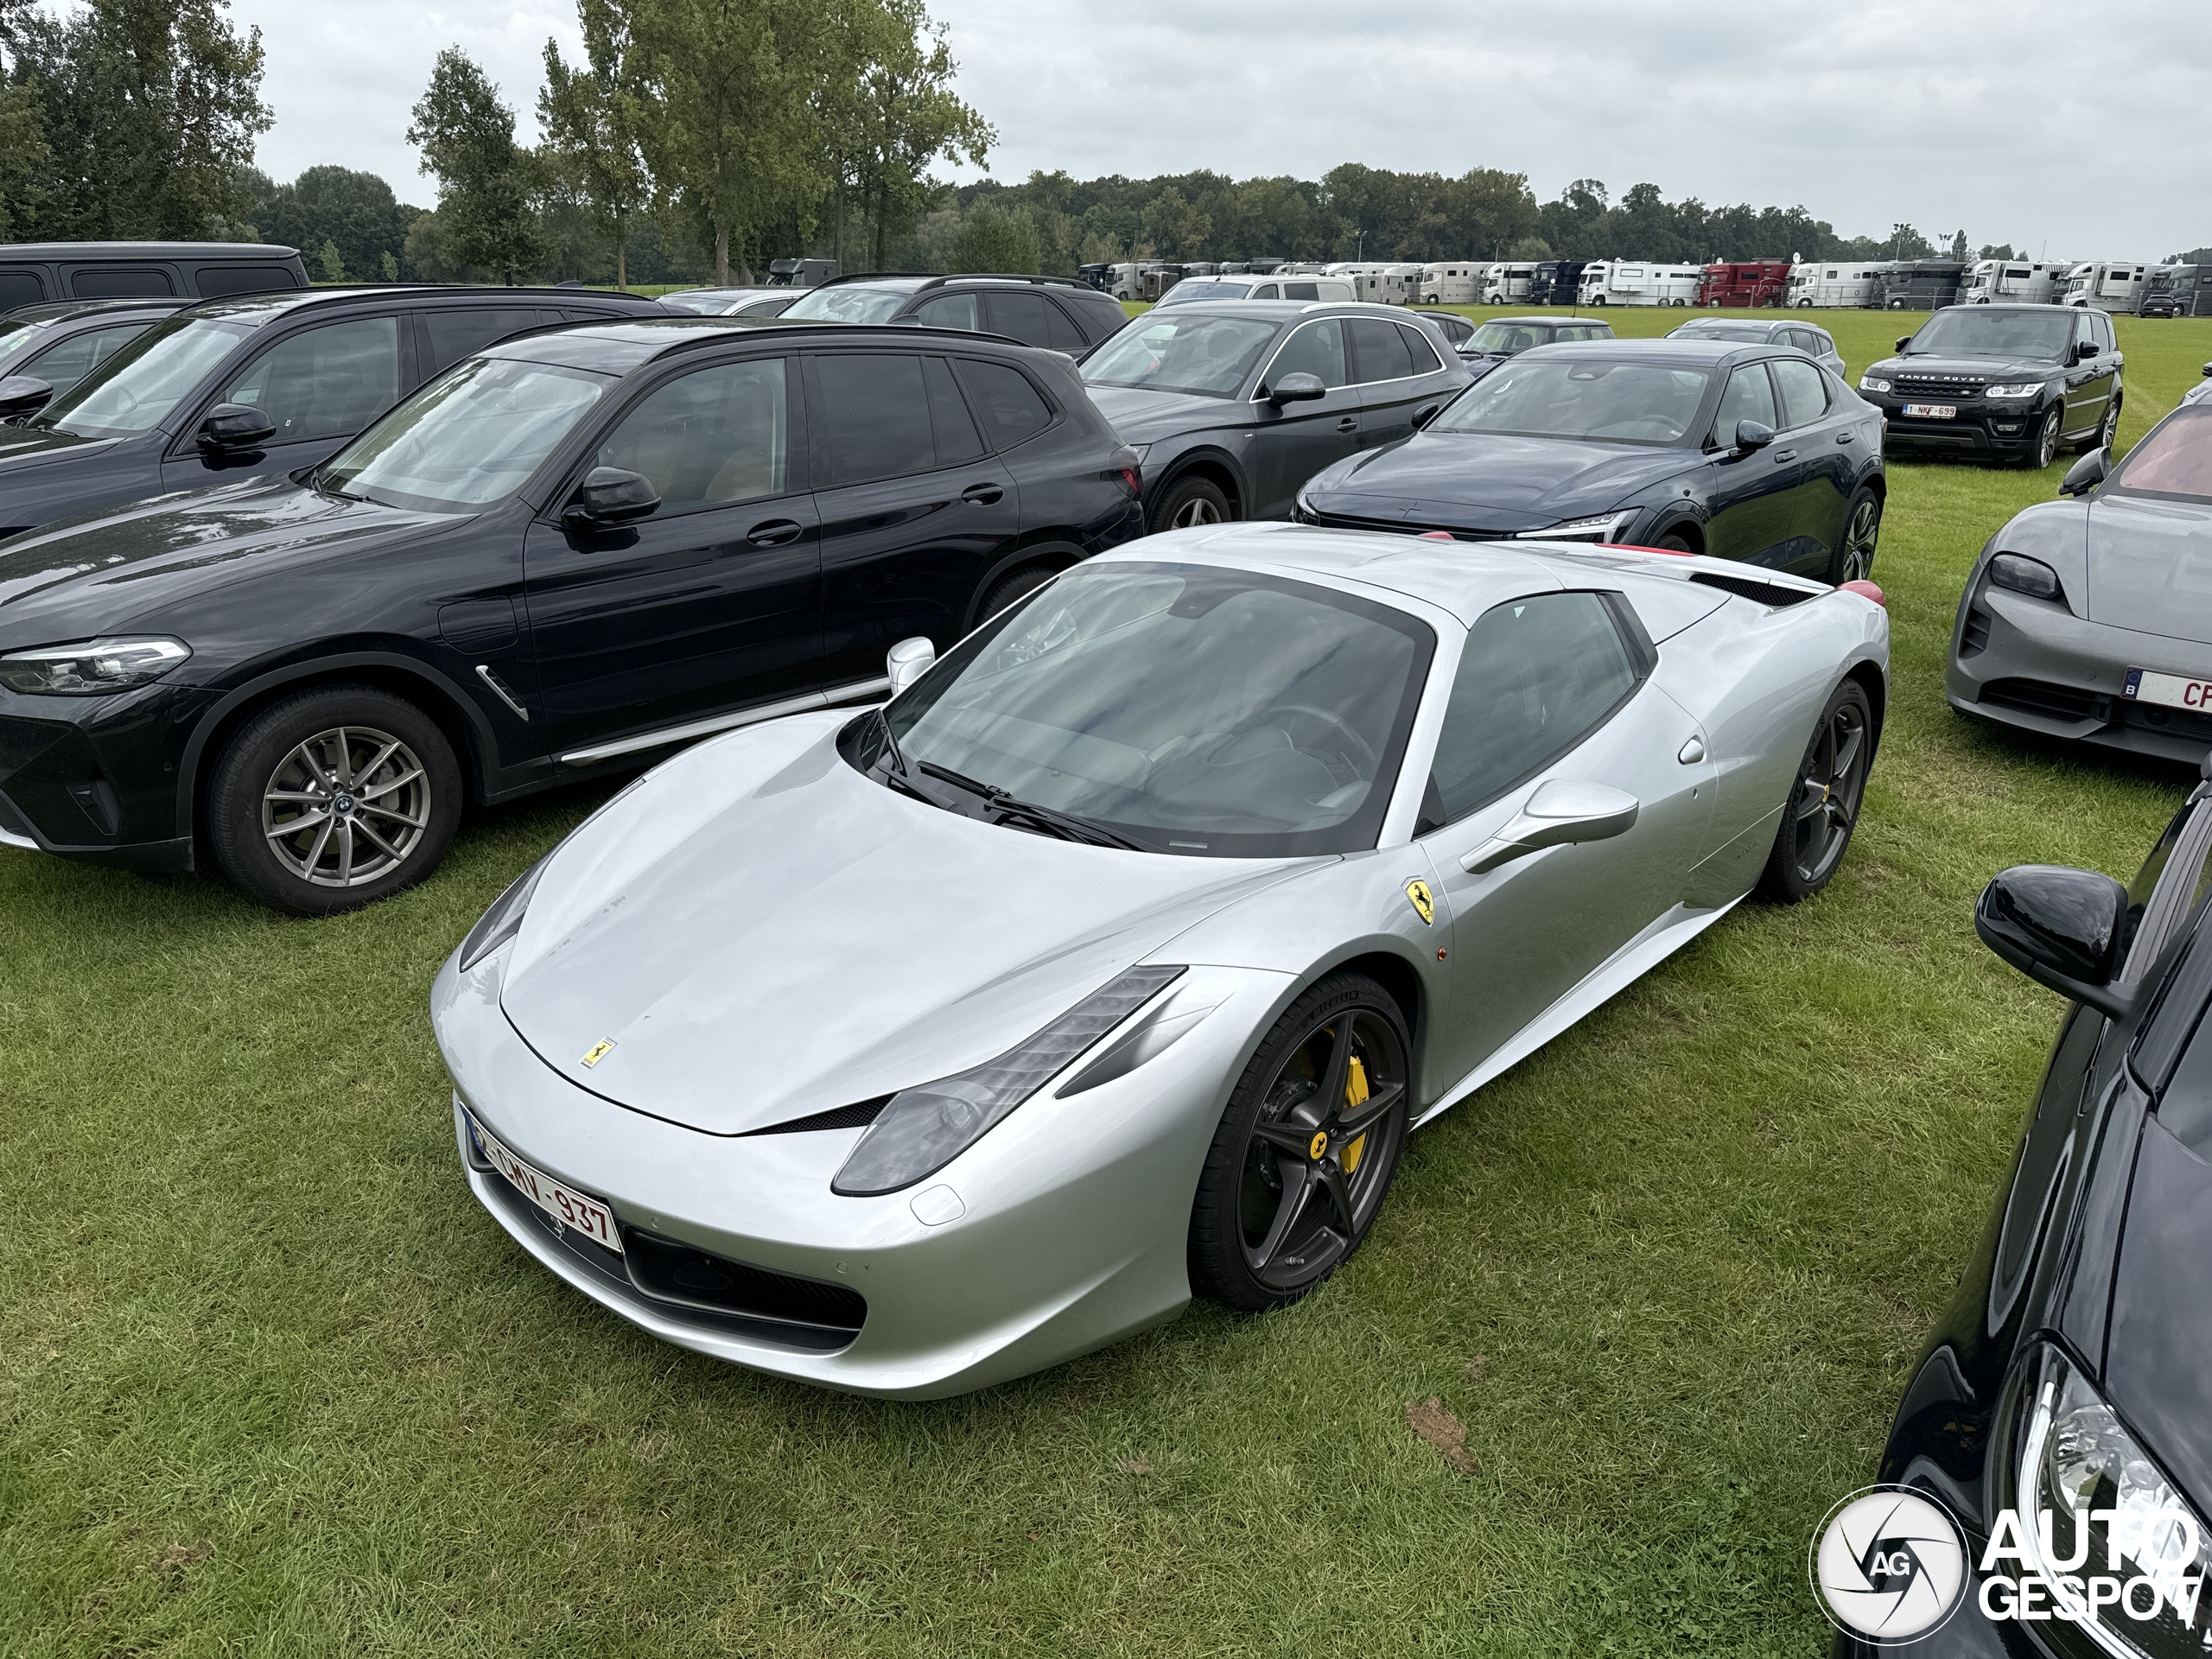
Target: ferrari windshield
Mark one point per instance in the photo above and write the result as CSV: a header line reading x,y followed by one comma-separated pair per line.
x,y
1191,351
134,390
2175,461
1580,397
1979,330
1192,710
853,304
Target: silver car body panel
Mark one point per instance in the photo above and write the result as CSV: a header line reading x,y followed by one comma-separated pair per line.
x,y
763,935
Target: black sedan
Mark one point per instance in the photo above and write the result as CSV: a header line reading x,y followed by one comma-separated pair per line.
x,y
56,346
2069,1385
570,553
1235,404
1742,452
2002,383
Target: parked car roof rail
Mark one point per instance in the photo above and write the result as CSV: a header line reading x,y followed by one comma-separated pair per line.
x,y
939,279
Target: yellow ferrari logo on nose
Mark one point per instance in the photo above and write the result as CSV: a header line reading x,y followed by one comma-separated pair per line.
x,y
1424,901
598,1051
1320,1145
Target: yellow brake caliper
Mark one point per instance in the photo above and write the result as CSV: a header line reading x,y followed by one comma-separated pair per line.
x,y
1355,1092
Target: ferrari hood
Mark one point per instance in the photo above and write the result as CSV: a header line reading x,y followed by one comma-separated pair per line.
x,y
2150,566
1488,481
1141,416
760,933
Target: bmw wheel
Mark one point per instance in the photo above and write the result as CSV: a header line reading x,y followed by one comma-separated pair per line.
x,y
2046,442
1853,558
332,799
1189,503
1823,805
1306,1150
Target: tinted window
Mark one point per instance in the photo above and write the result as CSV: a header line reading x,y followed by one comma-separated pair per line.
x,y
1380,349
957,438
1750,397
1021,315
63,365
1317,349
1627,403
1422,353
1537,675
328,382
218,280
1010,408
713,436
1061,335
1804,391
455,334
118,283
2104,330
948,311
1267,291
20,285
875,417
1302,291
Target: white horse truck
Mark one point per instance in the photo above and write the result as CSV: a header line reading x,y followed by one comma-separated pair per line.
x,y
1456,282
2104,284
1828,287
2015,282
1508,284
1629,281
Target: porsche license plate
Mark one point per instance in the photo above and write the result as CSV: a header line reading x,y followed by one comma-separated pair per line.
x,y
565,1204
2172,690
1931,411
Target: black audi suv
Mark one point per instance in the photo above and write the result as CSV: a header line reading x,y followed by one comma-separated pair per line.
x,y
562,557
2002,383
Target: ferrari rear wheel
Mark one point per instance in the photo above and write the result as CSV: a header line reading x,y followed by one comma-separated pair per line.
x,y
1306,1150
1823,805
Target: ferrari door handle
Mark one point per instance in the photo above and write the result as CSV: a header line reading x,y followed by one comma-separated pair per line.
x,y
1347,424
983,495
1693,751
774,533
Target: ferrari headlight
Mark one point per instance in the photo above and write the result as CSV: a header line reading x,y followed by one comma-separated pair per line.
x,y
1868,383
91,668
2025,389
2024,575
1606,528
925,1128
2092,1507
504,919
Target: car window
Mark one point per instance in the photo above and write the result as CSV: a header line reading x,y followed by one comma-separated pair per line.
x,y
853,304
948,311
1318,349
1537,676
456,334
875,415
2174,461
1422,353
1637,402
116,282
136,390
1380,349
1750,397
1192,351
1011,409
1061,333
957,440
1021,315
63,365
327,382
1267,291
713,436
2104,330
1302,290
1804,391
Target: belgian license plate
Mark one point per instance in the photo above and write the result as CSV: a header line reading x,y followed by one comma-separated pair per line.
x,y
2173,690
565,1204
1931,411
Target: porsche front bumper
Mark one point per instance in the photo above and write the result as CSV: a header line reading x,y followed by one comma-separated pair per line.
x,y
1071,1228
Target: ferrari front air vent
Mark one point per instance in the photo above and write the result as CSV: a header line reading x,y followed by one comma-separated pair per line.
x,y
1763,593
837,1118
669,1270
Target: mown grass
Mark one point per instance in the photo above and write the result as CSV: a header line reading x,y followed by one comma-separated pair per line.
x,y
271,1383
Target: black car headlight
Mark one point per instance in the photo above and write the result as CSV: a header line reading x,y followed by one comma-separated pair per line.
x,y
91,667
2123,1554
925,1128
2026,575
504,919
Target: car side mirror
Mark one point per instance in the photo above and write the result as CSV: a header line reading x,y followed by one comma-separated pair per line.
x,y
610,496
2084,350
1423,416
1903,340
2085,475
1752,437
2207,371
1560,813
1297,389
2062,928
908,660
22,395
229,428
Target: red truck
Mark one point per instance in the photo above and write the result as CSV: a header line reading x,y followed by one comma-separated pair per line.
x,y
1744,282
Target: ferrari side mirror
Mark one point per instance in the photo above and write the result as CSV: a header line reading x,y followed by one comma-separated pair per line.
x,y
2085,475
1561,813
2063,928
908,660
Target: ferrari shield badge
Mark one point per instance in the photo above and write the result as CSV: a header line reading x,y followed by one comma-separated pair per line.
x,y
1424,902
598,1051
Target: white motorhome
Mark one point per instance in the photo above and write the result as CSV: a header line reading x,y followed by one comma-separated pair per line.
x,y
1455,281
1380,284
1834,283
1503,284
1631,282
2017,282
2104,284
1127,282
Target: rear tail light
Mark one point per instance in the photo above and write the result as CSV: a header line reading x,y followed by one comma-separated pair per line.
x,y
1133,478
1865,590
1438,535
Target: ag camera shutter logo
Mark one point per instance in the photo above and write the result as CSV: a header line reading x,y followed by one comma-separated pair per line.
x,y
1889,1562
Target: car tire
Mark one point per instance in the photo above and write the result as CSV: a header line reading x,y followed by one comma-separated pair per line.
x,y
1015,586
2106,434
2046,444
1674,543
384,824
1189,503
1269,1222
1825,795
1853,557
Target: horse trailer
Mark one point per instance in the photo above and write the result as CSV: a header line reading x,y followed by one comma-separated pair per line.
x,y
1629,281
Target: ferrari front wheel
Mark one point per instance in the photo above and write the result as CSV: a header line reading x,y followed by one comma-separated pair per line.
x,y
1306,1150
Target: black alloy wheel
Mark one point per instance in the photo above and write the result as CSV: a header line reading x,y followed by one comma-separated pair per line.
x,y
1824,801
1673,544
1305,1153
1189,503
1015,586
332,799
2046,442
1853,558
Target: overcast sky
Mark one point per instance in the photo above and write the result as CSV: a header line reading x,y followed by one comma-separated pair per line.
x,y
2039,125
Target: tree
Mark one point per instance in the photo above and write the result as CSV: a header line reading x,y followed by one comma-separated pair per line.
x,y
905,116
1175,228
591,116
330,265
467,139
992,240
354,210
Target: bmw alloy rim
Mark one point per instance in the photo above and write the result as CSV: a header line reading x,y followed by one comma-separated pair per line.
x,y
345,807
1826,801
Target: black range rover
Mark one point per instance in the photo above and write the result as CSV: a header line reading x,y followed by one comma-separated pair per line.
x,y
2001,383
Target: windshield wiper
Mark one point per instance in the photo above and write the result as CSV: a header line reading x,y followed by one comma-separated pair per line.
x,y
1065,826
900,777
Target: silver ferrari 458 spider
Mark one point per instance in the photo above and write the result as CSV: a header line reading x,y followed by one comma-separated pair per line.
x,y
1111,962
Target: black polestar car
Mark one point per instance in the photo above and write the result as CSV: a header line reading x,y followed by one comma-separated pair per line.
x,y
566,555
2006,382
2069,1383
1742,452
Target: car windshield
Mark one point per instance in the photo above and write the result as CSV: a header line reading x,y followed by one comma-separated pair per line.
x,y
1753,331
1205,354
1183,293
856,304
469,437
134,390
1576,398
2174,461
1503,339
1195,711
1977,331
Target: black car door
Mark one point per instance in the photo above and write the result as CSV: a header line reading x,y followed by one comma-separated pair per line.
x,y
1398,372
914,504
1751,508
712,604
1827,469
1292,442
2089,385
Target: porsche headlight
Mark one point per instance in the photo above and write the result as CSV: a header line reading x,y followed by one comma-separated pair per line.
x,y
2025,389
2024,575
1868,383
2097,1519
925,1128
504,919
1606,528
91,667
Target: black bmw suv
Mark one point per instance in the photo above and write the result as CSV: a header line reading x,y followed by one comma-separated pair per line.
x,y
2001,383
564,556
1058,313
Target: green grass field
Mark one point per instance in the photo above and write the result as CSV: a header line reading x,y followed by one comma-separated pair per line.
x,y
271,1383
